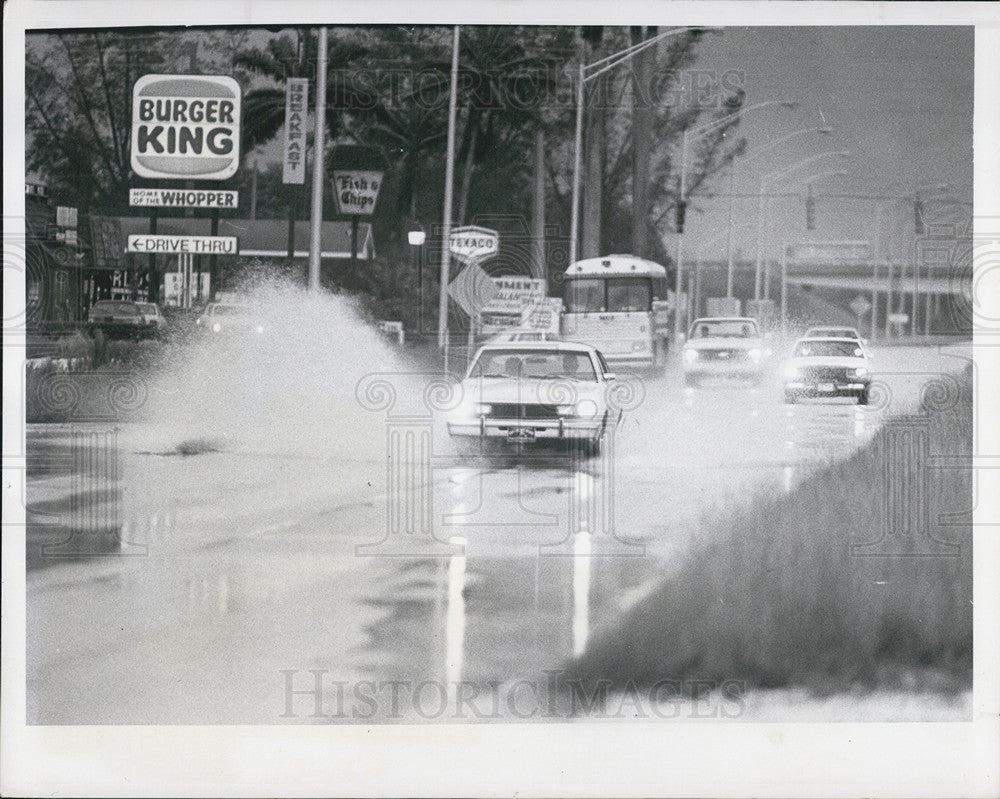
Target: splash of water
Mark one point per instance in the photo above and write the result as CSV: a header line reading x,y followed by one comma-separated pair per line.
x,y
288,390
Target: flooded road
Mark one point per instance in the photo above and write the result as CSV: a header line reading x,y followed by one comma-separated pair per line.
x,y
178,575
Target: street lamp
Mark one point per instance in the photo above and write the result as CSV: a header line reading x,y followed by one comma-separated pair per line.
x,y
823,129
776,174
600,67
688,135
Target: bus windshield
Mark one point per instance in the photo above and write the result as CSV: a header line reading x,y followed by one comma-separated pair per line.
x,y
585,295
628,294
612,294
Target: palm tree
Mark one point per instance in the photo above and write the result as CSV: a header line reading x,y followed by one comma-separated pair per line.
x,y
291,56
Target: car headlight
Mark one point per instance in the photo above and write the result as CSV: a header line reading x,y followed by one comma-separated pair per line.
x,y
587,409
861,371
216,327
756,354
690,355
791,372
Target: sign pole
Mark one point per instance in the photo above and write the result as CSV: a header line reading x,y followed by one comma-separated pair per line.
x,y
354,239
151,258
213,261
784,289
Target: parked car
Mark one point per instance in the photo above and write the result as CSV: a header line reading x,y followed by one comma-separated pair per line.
x,y
724,347
227,318
153,316
123,319
532,391
827,367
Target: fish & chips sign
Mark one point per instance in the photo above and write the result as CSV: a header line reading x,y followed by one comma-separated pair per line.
x,y
186,127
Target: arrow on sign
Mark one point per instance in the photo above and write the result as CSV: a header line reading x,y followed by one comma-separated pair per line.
x,y
473,289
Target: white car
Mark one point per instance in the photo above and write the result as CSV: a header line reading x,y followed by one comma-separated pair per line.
x,y
834,332
524,334
724,347
527,392
827,367
222,318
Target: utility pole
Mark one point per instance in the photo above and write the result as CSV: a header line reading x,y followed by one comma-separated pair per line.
x,y
449,179
319,146
538,207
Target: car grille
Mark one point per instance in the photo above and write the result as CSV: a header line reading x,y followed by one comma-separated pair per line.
x,y
723,355
514,410
819,373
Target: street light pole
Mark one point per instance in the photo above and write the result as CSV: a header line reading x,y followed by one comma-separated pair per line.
x,y
732,190
882,204
778,173
715,124
606,63
574,221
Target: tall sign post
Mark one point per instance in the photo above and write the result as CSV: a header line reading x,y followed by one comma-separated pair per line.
x,y
357,193
358,171
293,173
185,127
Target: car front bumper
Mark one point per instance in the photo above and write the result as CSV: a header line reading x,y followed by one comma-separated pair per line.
x,y
723,368
821,388
527,430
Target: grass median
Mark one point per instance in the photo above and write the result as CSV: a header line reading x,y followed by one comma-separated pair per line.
x,y
830,587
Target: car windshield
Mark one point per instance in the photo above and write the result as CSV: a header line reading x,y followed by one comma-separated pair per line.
x,y
229,310
832,332
542,364
839,349
724,328
115,306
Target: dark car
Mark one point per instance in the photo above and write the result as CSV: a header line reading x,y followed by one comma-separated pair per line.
x,y
122,319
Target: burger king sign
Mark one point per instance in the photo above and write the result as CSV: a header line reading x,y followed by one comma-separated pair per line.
x,y
186,127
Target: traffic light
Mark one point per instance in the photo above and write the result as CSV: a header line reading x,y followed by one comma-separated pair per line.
x,y
918,216
681,213
810,210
